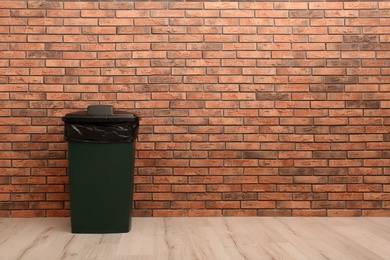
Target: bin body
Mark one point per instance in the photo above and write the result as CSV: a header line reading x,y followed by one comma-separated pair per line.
x,y
101,171
101,184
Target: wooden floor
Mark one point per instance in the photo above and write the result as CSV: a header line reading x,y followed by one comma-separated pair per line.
x,y
201,238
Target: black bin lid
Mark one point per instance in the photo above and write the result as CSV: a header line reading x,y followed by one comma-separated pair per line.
x,y
99,113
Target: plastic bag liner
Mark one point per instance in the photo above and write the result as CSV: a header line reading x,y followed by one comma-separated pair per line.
x,y
100,125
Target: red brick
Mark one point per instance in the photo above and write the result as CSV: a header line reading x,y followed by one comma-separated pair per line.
x,y
323,6
271,13
258,187
179,5
204,213
188,188
98,47
13,21
188,205
97,13
308,213
222,205
165,213
293,204
27,13
375,213
239,213
63,13
221,6
329,188
365,5
254,39
80,21
290,6
377,179
151,204
258,204
28,197
44,38
28,213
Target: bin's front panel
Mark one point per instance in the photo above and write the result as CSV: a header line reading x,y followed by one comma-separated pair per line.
x,y
101,184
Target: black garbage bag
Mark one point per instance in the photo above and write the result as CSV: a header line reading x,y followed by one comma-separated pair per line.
x,y
100,124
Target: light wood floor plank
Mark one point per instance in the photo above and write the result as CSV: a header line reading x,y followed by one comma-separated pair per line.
x,y
327,241
200,238
361,233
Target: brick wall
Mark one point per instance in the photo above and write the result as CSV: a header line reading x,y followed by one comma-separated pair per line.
x,y
248,109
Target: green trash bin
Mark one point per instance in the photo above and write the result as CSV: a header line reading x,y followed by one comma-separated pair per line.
x,y
101,169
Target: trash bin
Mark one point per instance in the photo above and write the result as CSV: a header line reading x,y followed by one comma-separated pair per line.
x,y
101,169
